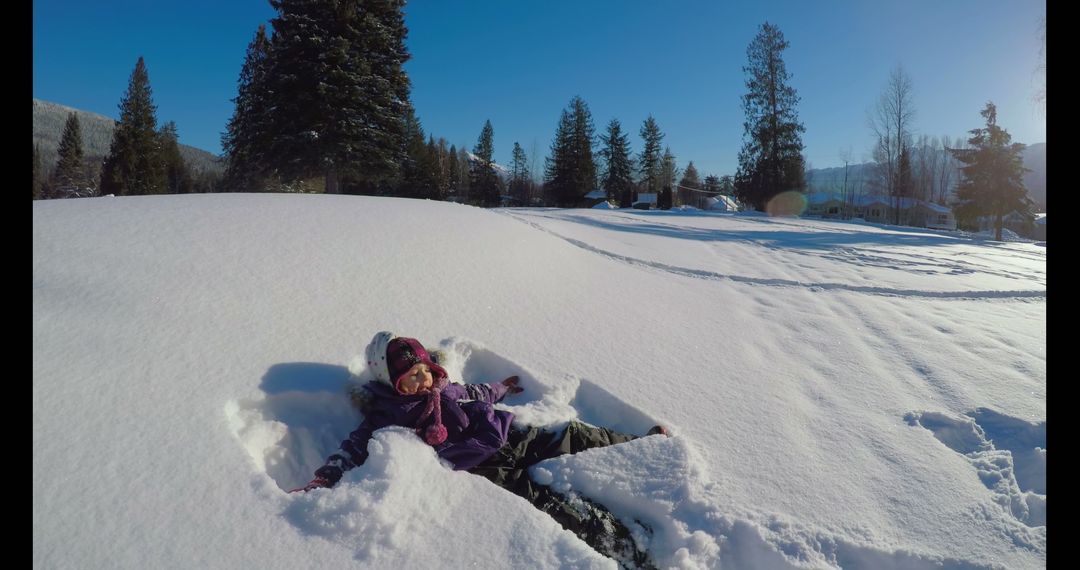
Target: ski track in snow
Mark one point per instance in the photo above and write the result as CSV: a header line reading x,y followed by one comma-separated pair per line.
x,y
771,282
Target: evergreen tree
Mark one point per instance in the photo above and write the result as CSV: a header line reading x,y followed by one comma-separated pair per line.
x,y
484,181
571,170
418,178
650,161
338,90
519,176
464,164
688,184
770,161
992,176
245,140
134,164
711,185
37,173
178,178
437,168
668,169
453,173
69,174
617,180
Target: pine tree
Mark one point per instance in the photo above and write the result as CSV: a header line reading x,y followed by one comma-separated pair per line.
x,y
178,177
519,176
338,90
669,171
453,174
484,182
69,174
617,180
245,140
37,173
992,180
688,184
571,170
134,164
437,168
464,164
650,160
770,161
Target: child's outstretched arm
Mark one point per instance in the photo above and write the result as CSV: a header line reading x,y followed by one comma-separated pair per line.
x,y
353,452
490,393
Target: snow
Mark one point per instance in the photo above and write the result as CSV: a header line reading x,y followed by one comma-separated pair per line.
x,y
839,395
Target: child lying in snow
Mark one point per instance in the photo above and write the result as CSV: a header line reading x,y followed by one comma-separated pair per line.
x,y
461,423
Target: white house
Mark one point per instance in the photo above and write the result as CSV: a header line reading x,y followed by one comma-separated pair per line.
x,y
645,201
721,203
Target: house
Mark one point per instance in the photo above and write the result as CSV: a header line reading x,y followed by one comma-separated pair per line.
x,y
595,197
1039,231
645,201
1021,223
824,204
721,203
930,215
882,210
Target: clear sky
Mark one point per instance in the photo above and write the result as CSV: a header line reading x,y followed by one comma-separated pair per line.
x,y
518,63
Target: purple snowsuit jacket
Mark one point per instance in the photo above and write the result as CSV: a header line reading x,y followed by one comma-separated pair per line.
x,y
475,429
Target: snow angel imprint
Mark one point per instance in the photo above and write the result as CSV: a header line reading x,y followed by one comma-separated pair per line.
x,y
460,421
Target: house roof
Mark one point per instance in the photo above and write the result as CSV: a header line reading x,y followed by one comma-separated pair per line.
x,y
818,198
597,194
646,197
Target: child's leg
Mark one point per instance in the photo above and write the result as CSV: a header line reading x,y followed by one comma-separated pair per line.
x,y
590,521
579,437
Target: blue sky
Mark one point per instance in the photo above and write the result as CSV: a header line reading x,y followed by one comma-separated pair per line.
x,y
518,63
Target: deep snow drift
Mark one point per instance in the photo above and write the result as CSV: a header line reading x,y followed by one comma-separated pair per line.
x,y
840,395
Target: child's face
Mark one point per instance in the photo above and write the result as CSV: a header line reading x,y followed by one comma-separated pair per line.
x,y
417,380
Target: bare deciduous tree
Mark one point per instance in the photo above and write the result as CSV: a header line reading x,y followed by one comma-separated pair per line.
x,y
891,120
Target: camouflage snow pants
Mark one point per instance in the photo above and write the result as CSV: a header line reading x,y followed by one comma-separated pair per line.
x,y
590,521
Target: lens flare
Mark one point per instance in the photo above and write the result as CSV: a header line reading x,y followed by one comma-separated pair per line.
x,y
790,203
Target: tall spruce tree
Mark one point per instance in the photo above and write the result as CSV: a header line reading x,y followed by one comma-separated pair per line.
x,y
519,176
650,161
690,186
133,165
70,171
617,180
464,164
453,173
484,181
992,180
245,140
178,178
38,182
571,169
338,89
418,178
770,161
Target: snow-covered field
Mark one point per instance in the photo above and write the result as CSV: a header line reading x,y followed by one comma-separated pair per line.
x,y
840,395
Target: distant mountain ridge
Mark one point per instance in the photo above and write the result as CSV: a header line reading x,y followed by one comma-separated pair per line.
x,y
97,131
1034,155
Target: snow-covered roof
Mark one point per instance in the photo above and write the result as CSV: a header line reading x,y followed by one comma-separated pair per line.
x,y
721,202
646,198
605,205
597,194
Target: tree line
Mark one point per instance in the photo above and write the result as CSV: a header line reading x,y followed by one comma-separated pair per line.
x,y
323,105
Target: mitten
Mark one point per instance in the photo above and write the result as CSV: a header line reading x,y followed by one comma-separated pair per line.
x,y
316,483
